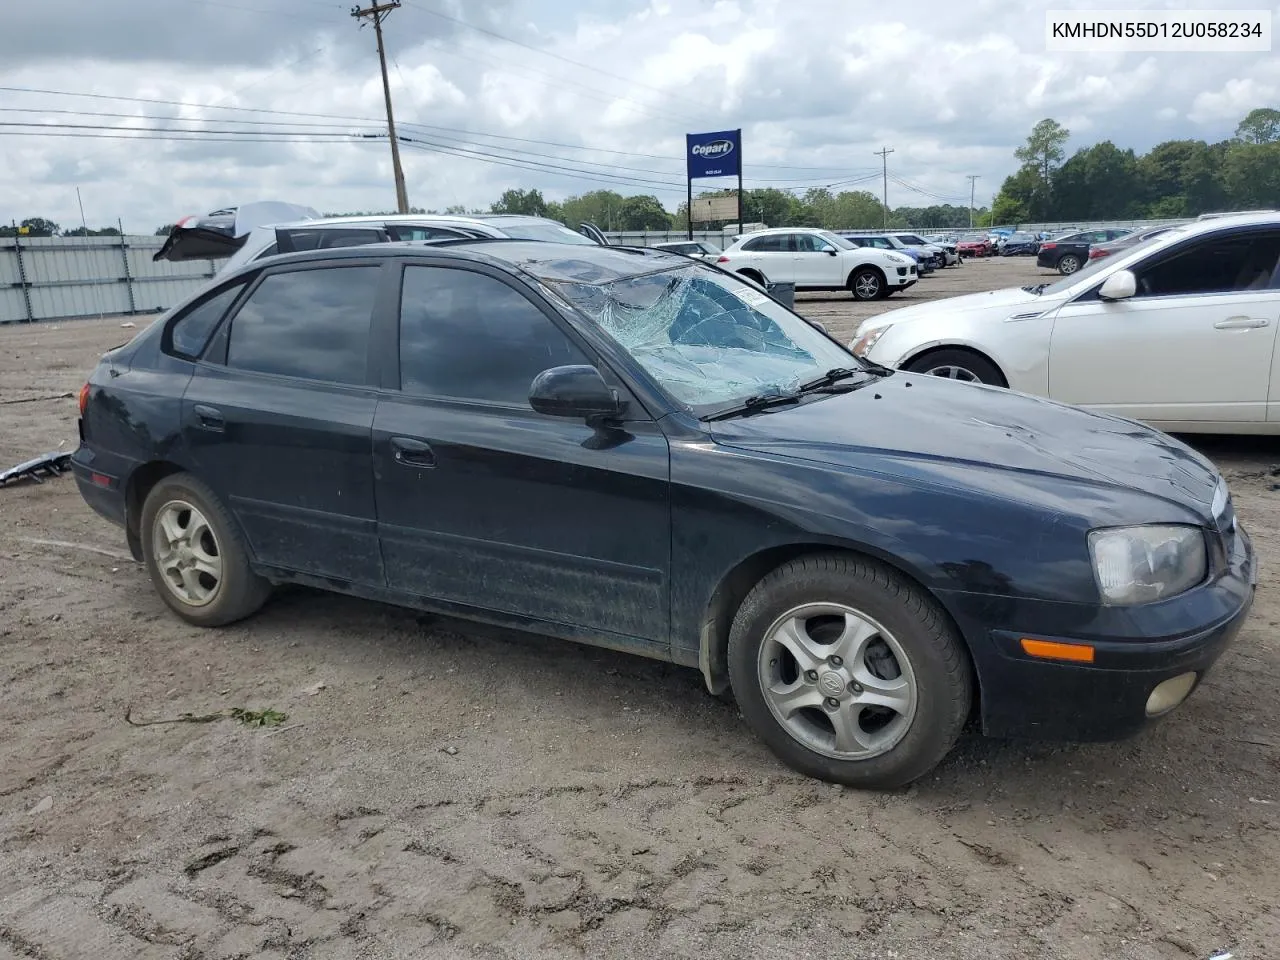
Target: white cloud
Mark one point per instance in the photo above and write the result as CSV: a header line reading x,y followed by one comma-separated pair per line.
x,y
816,86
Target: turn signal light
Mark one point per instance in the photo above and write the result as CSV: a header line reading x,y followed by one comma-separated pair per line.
x,y
84,398
1052,650
722,259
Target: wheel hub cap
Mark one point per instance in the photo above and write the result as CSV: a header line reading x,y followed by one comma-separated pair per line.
x,y
186,553
837,681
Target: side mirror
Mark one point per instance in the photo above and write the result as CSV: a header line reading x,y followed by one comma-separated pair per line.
x,y
1121,285
576,391
831,251
819,325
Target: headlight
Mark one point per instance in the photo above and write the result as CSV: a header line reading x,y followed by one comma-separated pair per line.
x,y
1142,564
862,345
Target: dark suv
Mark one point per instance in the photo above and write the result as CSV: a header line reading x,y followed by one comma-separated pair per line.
x,y
639,450
1069,253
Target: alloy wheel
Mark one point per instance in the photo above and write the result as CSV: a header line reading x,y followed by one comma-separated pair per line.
x,y
186,553
837,681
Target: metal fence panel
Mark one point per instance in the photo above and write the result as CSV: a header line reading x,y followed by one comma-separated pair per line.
x,y
47,278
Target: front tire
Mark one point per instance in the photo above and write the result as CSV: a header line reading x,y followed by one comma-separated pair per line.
x,y
961,365
1068,264
849,672
867,283
196,556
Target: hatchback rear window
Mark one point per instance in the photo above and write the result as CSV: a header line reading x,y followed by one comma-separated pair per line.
x,y
190,332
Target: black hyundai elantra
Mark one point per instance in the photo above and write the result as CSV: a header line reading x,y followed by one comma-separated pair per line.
x,y
626,448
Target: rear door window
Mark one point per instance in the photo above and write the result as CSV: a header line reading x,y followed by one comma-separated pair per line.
x,y
470,336
1215,265
307,323
775,243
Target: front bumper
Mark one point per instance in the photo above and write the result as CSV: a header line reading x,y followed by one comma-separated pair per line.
x,y
1106,700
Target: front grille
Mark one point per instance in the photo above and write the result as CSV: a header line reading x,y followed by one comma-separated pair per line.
x,y
902,271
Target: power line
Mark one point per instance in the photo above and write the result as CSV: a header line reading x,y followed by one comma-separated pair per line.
x,y
359,119
547,53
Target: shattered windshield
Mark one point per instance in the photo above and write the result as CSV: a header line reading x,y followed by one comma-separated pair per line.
x,y
708,338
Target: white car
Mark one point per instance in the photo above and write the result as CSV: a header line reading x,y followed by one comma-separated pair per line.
x,y
1178,331
818,260
264,228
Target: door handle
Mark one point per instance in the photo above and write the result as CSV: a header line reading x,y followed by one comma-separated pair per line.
x,y
412,453
1241,323
210,418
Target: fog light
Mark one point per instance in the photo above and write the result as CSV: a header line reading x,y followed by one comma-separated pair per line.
x,y
1169,694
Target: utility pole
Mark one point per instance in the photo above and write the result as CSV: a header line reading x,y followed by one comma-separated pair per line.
x,y
377,13
884,156
973,177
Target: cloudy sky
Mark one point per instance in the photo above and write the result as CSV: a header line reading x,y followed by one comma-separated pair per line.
x,y
564,95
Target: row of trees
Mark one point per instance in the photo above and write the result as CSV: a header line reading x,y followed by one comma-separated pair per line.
x,y
1177,178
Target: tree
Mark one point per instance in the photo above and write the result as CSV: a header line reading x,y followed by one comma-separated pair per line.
x,y
1098,182
1006,211
1043,149
39,227
165,230
601,207
1251,175
643,213
90,232
526,202
1260,126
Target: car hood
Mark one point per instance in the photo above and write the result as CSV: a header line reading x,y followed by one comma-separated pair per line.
x,y
929,421
1011,301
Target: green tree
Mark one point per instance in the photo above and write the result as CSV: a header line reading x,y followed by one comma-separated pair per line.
x,y
1251,175
1023,196
643,213
1006,211
39,227
601,207
164,231
1043,149
1098,182
90,232
527,202
1260,126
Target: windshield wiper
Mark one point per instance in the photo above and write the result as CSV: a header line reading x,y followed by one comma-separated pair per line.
x,y
1036,288
828,378
753,405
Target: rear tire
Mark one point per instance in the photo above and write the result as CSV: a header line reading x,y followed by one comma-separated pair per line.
x,y
849,672
1068,264
196,555
961,365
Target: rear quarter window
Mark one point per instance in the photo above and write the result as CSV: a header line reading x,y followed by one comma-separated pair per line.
x,y
188,335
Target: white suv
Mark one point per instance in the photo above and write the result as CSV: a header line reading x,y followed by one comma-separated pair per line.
x,y
818,260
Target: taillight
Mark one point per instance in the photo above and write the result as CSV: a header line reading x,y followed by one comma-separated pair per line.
x,y
84,398
1048,246
722,259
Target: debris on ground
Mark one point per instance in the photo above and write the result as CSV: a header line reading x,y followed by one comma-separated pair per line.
x,y
250,718
44,806
47,465
315,688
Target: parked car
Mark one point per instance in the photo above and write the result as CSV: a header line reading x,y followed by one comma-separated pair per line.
x,y
1069,252
1100,250
263,229
877,241
1020,244
1179,330
631,448
690,248
936,252
975,245
818,260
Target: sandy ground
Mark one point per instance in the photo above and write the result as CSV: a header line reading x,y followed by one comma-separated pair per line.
x,y
443,791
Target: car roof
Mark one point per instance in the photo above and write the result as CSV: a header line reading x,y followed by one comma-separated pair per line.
x,y
493,219
545,260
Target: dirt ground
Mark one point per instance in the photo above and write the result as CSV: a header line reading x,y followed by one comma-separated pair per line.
x,y
443,791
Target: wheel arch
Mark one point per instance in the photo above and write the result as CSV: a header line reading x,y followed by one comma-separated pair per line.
x,y
140,483
924,351
884,277
733,587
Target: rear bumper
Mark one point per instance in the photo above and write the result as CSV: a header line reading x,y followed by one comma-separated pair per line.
x,y
103,491
1106,700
